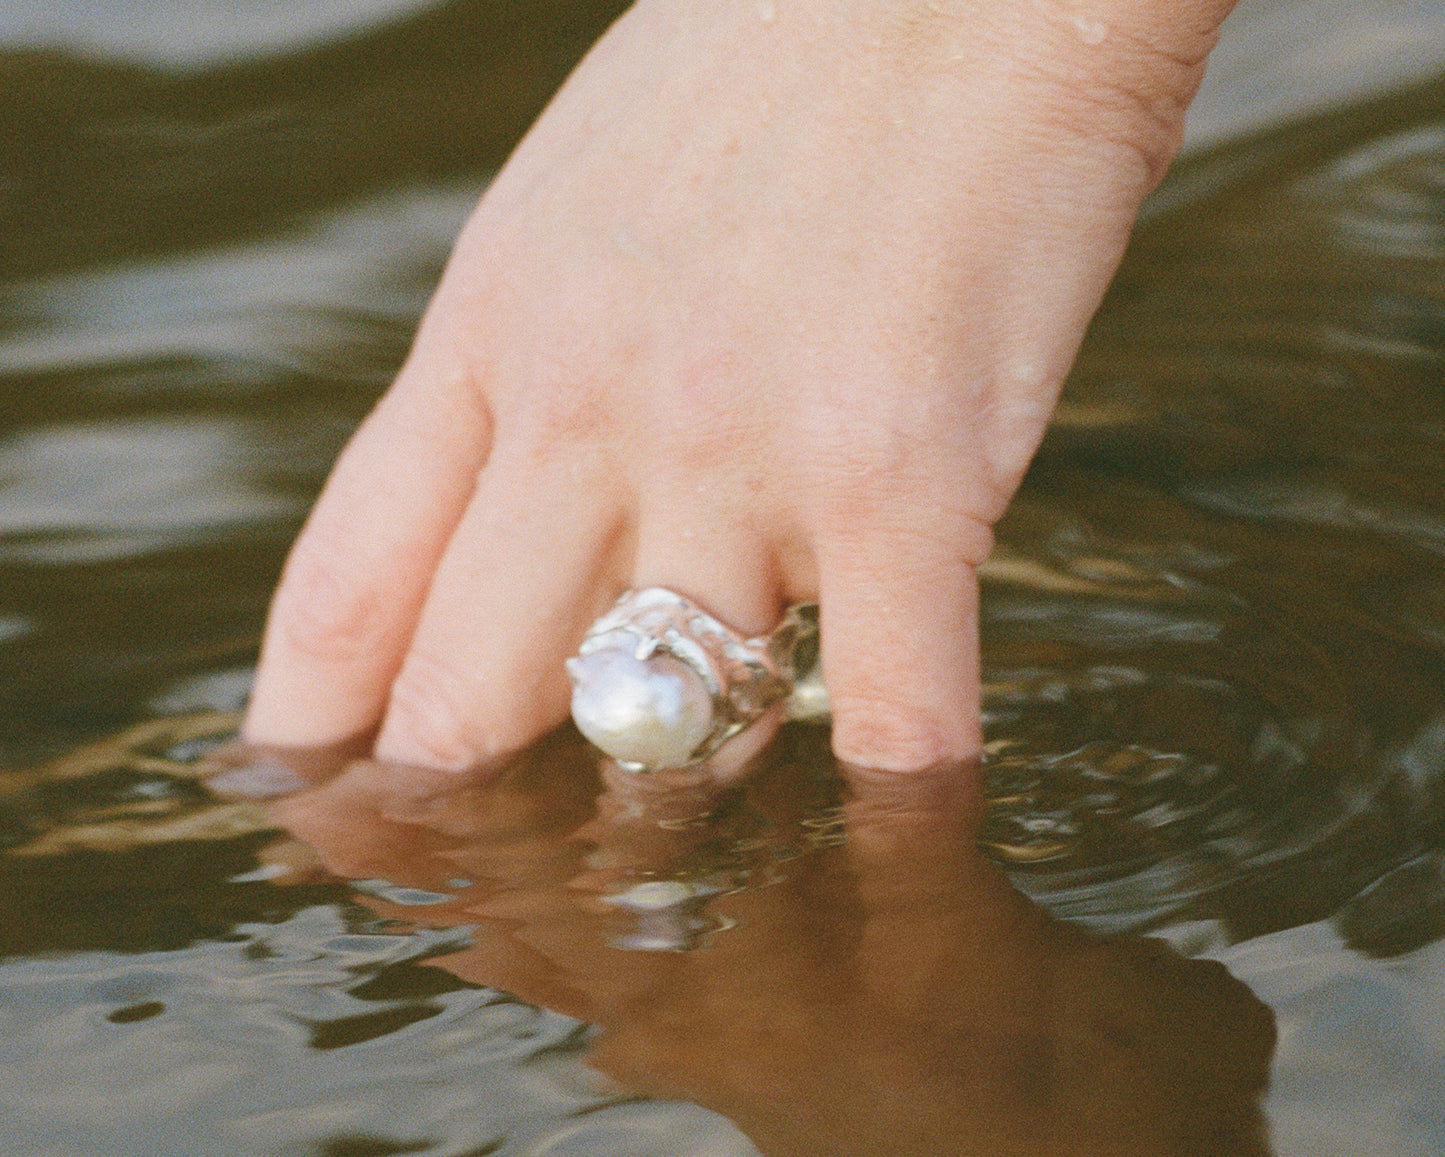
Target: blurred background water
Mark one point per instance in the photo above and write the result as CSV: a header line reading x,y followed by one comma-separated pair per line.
x,y
1215,623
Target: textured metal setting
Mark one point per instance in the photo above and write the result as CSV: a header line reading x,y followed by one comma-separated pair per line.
x,y
743,676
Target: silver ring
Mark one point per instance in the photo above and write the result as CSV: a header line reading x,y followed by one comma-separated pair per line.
x,y
659,683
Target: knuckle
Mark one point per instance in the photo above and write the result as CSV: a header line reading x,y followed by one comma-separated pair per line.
x,y
703,444
570,413
571,404
708,418
942,537
327,611
866,471
426,718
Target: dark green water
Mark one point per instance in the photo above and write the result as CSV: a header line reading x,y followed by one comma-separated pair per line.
x,y
1215,652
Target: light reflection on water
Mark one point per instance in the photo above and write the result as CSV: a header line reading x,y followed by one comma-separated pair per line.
x,y
192,34
1216,693
297,300
95,490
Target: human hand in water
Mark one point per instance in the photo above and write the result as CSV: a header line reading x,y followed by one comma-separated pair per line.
x,y
885,990
772,305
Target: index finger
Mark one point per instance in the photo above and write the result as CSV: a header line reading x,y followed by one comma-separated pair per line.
x,y
353,587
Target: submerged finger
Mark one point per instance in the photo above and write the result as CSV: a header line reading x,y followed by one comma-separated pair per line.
x,y
899,642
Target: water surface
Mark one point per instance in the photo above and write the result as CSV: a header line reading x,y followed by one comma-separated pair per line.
x,y
1214,631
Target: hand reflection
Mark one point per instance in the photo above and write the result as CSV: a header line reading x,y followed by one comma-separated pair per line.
x,y
877,985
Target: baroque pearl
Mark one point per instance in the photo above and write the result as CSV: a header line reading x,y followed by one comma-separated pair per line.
x,y
654,712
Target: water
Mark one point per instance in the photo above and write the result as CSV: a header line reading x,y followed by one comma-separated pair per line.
x,y
1214,631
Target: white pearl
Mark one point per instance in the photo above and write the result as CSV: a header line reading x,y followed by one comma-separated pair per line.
x,y
654,711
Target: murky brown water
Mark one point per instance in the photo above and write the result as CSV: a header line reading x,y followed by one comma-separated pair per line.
x,y
1215,650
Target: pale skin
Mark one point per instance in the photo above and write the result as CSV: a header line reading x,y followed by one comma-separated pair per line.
x,y
772,305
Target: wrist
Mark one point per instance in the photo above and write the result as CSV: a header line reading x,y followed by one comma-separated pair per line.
x,y
1122,69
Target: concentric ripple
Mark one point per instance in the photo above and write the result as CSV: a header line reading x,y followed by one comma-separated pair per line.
x,y
1213,637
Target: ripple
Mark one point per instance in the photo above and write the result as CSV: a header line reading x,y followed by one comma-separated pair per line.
x,y
673,1129
1383,198
102,490
200,33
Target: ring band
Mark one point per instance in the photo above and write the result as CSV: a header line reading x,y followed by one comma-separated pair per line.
x,y
659,683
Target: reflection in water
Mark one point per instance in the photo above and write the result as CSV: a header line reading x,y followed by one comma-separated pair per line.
x,y
1214,631
865,981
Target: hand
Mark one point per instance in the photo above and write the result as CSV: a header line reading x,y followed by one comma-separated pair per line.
x,y
891,993
772,305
